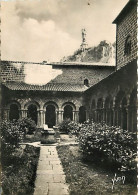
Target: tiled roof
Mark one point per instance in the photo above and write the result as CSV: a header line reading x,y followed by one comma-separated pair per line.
x,y
47,87
82,64
67,63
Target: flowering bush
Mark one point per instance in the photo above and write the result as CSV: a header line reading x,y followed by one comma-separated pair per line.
x,y
27,125
18,164
69,126
11,135
104,143
63,127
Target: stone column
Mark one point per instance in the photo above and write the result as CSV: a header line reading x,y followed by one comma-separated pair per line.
x,y
7,115
106,116
73,115
121,117
60,116
128,117
113,109
87,115
44,117
38,118
25,113
22,113
95,113
117,116
41,118
103,111
77,116
56,113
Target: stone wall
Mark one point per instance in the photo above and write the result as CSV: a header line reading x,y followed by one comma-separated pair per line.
x,y
77,75
70,74
12,71
125,27
113,99
41,99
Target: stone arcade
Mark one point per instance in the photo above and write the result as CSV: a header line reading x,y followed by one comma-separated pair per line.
x,y
98,91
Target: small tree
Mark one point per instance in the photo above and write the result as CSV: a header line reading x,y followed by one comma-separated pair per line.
x,y
27,125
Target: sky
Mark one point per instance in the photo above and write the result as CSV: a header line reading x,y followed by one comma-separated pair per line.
x,y
48,30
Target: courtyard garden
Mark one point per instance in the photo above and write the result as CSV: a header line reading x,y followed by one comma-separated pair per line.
x,y
103,162
97,159
19,162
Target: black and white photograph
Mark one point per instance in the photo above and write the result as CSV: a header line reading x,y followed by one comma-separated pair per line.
x,y
68,97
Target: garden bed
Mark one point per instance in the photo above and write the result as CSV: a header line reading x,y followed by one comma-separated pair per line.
x,y
19,171
90,178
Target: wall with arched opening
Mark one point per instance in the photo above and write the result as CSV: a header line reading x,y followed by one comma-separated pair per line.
x,y
68,111
14,112
32,113
82,114
51,116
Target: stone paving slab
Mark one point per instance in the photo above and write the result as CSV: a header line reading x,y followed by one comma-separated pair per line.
x,y
58,189
50,177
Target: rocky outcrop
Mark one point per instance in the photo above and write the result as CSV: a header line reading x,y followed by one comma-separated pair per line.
x,y
104,53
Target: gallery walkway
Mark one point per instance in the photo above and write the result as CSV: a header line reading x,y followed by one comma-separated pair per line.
x,y
50,178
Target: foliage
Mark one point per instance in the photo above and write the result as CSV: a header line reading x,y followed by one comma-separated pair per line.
x,y
104,143
69,126
28,125
19,177
18,164
63,127
89,178
11,135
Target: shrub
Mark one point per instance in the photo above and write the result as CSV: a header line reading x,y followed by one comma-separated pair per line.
x,y
74,127
69,126
11,135
27,125
19,177
104,143
63,127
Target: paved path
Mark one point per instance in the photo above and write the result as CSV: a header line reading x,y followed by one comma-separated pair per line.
x,y
50,178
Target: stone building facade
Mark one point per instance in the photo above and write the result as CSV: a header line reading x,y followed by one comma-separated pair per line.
x,y
126,37
113,99
83,90
60,98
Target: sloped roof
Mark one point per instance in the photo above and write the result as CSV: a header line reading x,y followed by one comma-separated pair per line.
x,y
12,85
125,10
104,64
67,63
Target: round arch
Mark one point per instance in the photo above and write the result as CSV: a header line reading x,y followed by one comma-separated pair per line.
x,y
32,103
51,103
14,110
68,112
70,104
14,102
50,108
120,95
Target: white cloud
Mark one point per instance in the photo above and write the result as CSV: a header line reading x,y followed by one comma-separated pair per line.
x,y
50,29
31,40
